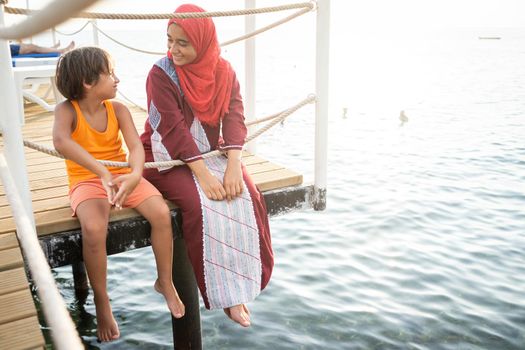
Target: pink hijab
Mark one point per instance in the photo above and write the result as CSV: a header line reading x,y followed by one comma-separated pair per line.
x,y
207,81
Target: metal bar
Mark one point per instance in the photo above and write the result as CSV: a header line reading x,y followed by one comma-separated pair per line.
x,y
10,126
322,62
249,79
95,32
65,336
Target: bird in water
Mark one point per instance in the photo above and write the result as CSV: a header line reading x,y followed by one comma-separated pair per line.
x,y
403,118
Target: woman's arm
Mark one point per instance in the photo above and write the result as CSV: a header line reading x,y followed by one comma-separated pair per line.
x,y
234,133
62,127
167,118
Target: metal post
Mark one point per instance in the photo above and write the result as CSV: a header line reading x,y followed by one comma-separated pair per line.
x,y
186,330
10,126
322,61
249,80
95,32
54,34
27,7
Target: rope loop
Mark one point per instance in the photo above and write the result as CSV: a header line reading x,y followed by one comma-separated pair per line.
x,y
75,32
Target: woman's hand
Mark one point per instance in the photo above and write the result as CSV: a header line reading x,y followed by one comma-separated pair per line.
x,y
211,186
125,184
233,184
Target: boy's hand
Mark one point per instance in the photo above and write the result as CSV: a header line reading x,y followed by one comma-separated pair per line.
x,y
109,186
125,184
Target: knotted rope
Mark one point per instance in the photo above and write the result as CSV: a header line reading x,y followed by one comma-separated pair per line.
x,y
276,119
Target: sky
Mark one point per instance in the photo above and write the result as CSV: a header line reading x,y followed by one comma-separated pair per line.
x,y
387,14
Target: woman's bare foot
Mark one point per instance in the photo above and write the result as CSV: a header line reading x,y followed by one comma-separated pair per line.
x,y
172,298
107,328
239,313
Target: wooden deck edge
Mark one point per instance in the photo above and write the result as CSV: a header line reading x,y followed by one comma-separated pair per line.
x,y
64,248
21,334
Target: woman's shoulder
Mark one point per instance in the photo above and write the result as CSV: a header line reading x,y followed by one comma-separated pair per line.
x,y
164,69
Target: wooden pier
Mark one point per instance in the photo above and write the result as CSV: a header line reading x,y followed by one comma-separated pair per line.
x,y
59,233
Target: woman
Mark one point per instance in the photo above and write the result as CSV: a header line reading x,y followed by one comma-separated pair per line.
x,y
193,98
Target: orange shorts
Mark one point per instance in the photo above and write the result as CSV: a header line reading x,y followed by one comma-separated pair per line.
x,y
93,189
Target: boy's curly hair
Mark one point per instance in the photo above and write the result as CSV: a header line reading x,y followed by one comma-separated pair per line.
x,y
79,66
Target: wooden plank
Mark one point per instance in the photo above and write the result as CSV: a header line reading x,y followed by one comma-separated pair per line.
x,y
39,195
16,306
22,334
8,240
10,259
13,280
262,168
45,183
40,206
277,179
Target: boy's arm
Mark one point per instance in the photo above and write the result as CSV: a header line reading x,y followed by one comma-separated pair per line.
x,y
64,144
128,182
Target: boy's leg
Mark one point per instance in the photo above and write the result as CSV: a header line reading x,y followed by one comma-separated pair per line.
x,y
93,215
156,211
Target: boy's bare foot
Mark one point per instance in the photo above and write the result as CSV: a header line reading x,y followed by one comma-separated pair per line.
x,y
239,313
169,292
57,45
107,328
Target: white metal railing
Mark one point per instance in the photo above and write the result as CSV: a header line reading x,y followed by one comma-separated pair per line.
x,y
65,335
322,64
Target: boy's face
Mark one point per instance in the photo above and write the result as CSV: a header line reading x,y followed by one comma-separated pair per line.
x,y
106,85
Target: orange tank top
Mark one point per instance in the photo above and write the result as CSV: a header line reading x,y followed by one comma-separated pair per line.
x,y
106,145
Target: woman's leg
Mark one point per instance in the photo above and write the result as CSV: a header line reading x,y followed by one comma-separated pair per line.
x,y
93,215
155,210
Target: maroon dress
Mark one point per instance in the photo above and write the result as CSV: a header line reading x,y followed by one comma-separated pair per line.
x,y
228,243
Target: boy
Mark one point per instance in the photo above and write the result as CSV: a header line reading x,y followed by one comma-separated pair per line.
x,y
88,126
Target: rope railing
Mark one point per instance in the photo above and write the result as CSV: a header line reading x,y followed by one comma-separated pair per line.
x,y
65,336
125,45
131,16
229,42
53,14
75,32
276,119
268,27
250,123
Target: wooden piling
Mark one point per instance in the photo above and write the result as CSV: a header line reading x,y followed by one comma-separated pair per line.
x,y
186,330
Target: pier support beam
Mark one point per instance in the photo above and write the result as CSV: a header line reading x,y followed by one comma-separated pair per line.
x,y
80,281
186,330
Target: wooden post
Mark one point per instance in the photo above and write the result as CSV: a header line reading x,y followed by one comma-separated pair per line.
x,y
186,330
80,281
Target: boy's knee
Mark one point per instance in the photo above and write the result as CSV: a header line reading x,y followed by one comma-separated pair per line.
x,y
94,231
162,215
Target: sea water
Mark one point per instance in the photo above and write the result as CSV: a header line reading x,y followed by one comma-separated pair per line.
x,y
422,243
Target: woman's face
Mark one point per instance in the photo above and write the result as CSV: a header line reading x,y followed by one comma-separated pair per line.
x,y
179,46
